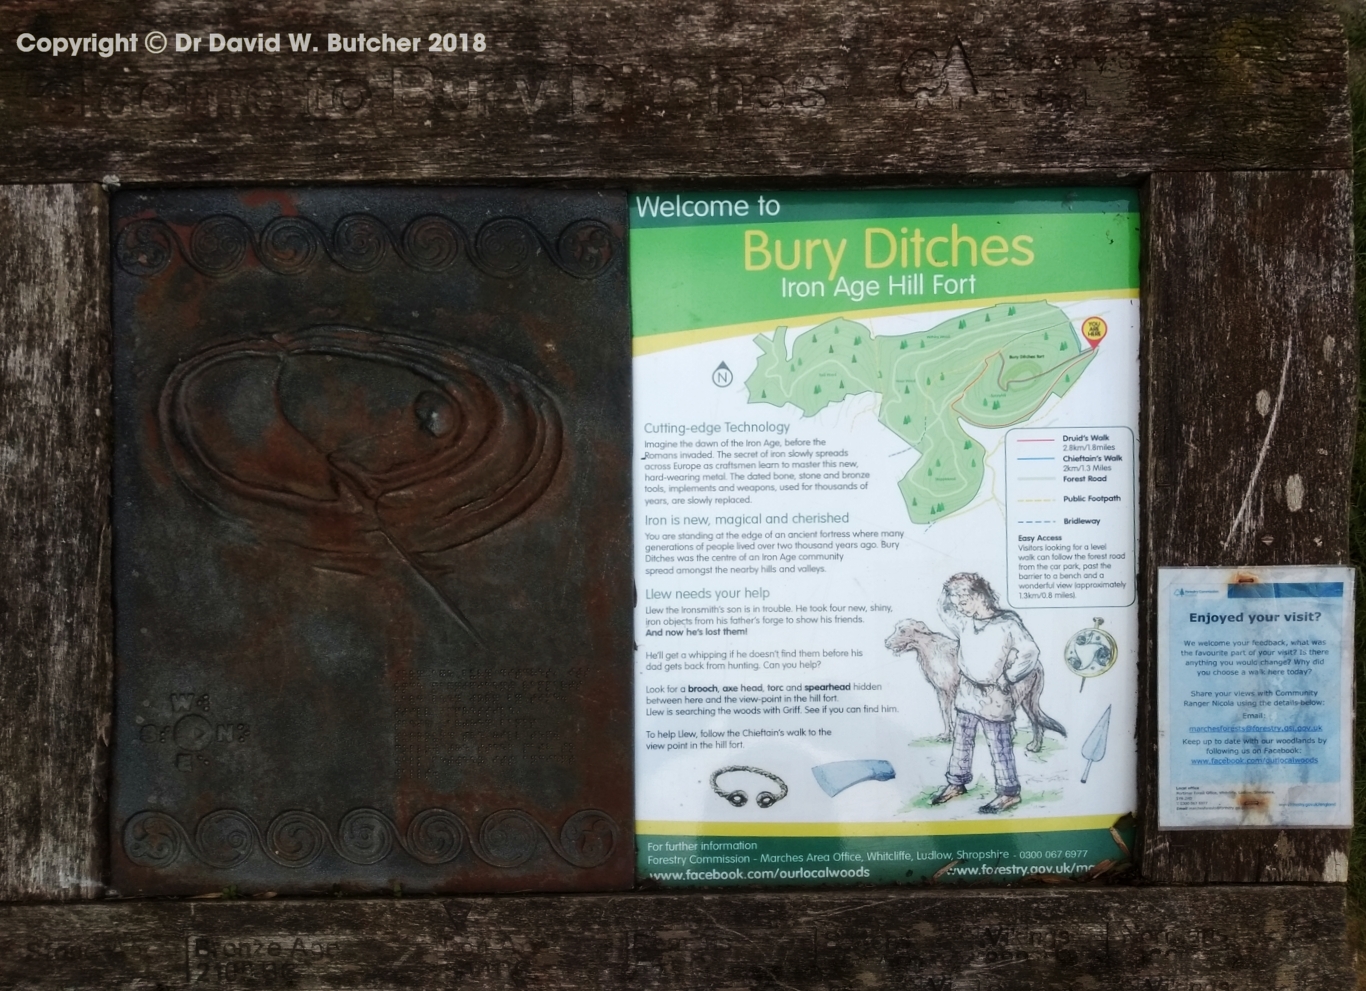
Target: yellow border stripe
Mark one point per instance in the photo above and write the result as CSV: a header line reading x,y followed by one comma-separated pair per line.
x,y
682,338
663,827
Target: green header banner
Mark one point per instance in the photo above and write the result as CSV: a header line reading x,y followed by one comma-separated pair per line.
x,y
709,260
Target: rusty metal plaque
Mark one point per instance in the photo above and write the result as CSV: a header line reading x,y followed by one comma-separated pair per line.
x,y
371,541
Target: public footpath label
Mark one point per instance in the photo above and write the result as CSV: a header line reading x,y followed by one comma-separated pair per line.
x,y
1255,697
885,535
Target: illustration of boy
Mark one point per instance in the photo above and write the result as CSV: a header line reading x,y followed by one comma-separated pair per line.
x,y
995,651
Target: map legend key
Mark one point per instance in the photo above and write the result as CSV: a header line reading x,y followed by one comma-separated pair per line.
x,y
1070,516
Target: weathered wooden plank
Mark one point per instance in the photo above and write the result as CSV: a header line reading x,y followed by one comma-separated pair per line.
x,y
54,539
1251,382
937,90
1191,939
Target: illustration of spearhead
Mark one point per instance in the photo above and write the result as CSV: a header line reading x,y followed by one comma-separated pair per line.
x,y
1094,747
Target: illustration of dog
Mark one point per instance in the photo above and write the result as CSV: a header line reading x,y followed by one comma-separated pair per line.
x,y
938,657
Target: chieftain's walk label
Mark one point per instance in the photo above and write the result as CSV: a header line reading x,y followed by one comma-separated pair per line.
x,y
885,535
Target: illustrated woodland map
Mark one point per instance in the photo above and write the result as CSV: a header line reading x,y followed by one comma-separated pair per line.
x,y
993,367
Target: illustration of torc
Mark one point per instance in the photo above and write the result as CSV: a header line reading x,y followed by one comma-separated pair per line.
x,y
997,657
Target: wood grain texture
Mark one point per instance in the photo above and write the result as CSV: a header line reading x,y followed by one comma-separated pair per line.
x,y
1192,939
657,91
1252,268
54,540
1250,406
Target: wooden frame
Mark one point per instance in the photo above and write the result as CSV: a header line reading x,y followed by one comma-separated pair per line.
x,y
1232,119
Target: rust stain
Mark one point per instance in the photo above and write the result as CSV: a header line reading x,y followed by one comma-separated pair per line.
x,y
282,199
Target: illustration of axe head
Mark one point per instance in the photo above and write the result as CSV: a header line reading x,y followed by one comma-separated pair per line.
x,y
834,778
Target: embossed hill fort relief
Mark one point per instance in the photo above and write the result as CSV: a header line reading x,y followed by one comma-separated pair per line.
x,y
462,444
372,595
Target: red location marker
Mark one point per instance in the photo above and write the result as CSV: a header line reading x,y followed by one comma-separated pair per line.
x,y
1094,330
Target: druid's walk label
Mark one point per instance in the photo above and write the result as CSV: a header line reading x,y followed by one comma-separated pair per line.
x,y
1255,697
885,524
1070,512
372,610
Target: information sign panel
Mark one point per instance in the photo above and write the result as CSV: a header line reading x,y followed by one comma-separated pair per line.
x,y
885,534
1254,689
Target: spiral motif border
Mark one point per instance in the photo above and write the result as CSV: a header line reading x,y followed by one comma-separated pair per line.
x,y
508,838
296,838
502,247
588,838
288,245
365,836
227,838
435,836
154,839
145,247
218,244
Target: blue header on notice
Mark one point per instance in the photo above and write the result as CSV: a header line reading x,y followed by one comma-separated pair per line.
x,y
1286,590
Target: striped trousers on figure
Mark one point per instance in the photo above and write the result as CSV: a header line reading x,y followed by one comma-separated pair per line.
x,y
999,745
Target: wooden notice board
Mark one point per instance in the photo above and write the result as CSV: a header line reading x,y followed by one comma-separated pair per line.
x,y
1231,120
